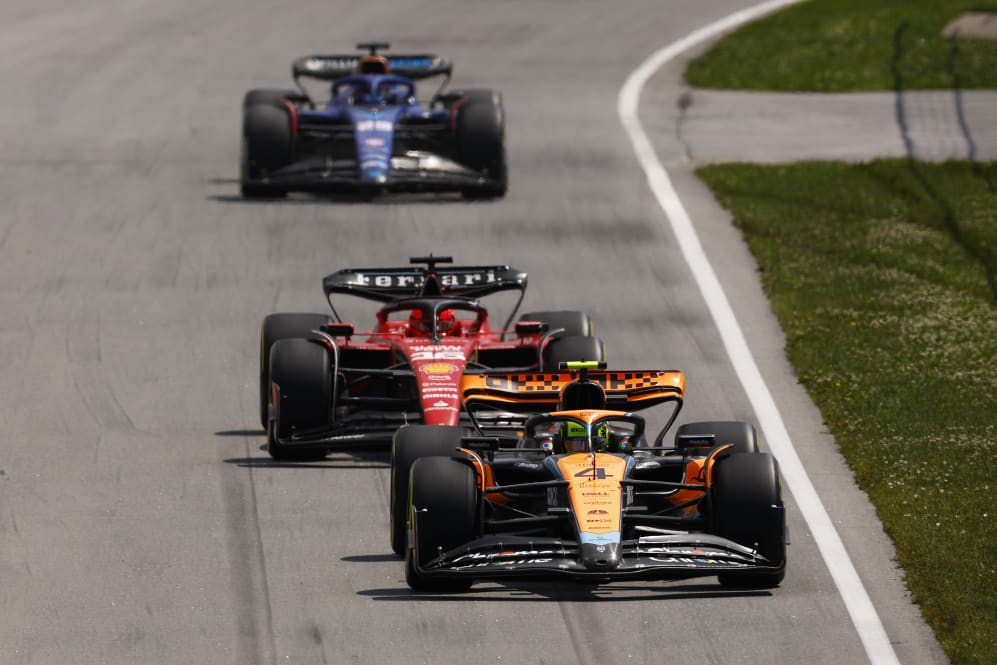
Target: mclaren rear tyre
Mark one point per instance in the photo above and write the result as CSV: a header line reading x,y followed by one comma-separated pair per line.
x,y
274,328
443,505
301,376
741,434
267,145
570,323
747,509
409,444
481,141
568,349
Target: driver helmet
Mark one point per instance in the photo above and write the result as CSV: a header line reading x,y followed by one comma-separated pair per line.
x,y
446,322
372,64
602,438
419,323
575,438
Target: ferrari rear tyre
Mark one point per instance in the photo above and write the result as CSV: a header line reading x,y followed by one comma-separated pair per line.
x,y
274,328
741,434
572,323
481,141
267,145
301,374
443,505
409,444
747,509
567,349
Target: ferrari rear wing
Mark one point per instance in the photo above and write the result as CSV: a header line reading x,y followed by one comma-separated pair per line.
x,y
332,67
390,284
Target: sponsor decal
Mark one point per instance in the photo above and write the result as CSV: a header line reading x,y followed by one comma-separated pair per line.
x,y
374,142
440,408
440,391
598,512
478,556
597,493
323,64
530,466
374,126
388,281
441,403
424,348
691,561
441,352
469,279
412,280
439,368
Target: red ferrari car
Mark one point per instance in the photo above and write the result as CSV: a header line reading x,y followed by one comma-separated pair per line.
x,y
325,384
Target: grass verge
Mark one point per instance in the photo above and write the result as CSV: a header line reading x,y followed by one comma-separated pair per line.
x,y
852,45
882,276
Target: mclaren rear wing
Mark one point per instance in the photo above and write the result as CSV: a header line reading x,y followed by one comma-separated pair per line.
x,y
538,392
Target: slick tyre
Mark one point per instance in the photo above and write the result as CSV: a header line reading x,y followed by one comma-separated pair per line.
x,y
741,434
571,323
409,444
567,349
747,509
274,328
301,374
481,141
267,145
443,506
271,96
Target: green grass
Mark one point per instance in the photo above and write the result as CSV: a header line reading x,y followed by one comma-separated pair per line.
x,y
851,45
882,276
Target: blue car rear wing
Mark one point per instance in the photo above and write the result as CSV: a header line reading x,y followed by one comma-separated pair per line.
x,y
332,67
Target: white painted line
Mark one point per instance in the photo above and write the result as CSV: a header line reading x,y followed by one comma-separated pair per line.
x,y
856,598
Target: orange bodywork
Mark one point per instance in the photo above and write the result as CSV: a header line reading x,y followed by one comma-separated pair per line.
x,y
594,489
541,390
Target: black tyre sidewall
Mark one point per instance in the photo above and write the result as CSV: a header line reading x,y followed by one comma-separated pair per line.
x,y
269,96
565,349
302,371
742,434
267,145
574,324
274,328
747,508
481,139
409,444
445,491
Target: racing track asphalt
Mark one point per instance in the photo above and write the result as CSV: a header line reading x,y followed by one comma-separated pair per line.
x,y
139,519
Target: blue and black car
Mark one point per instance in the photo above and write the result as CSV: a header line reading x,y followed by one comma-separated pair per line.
x,y
372,134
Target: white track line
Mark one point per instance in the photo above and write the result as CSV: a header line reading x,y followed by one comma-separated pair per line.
x,y
860,608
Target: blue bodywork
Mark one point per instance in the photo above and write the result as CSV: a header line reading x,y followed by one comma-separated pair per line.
x,y
373,105
373,135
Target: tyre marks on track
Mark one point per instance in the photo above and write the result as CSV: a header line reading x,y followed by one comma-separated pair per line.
x,y
247,563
